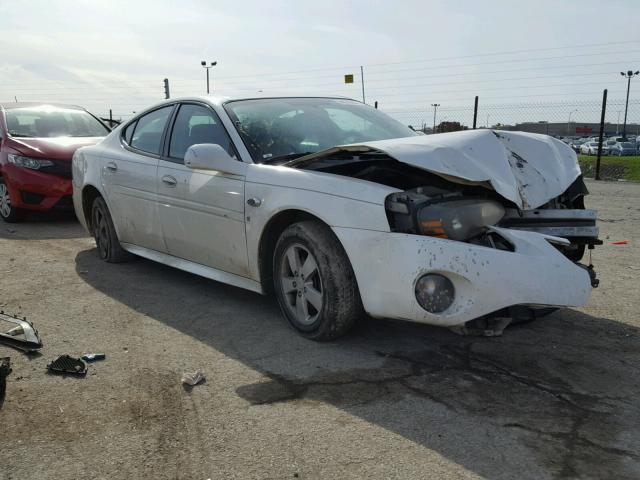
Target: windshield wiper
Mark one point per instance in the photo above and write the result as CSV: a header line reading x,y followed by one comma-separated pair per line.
x,y
284,158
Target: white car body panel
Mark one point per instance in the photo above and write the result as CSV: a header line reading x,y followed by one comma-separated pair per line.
x,y
203,225
202,217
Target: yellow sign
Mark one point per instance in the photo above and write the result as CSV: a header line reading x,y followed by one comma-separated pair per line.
x,y
348,78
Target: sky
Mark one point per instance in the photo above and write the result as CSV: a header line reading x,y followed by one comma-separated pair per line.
x,y
524,60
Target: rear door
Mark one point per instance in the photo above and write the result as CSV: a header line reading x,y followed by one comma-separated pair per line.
x,y
130,178
201,212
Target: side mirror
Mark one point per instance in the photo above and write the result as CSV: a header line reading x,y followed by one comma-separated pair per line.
x,y
211,156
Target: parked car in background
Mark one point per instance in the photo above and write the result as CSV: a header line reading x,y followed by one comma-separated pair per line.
x,y
339,209
623,149
575,144
37,142
590,148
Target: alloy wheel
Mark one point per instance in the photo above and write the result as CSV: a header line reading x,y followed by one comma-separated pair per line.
x,y
101,232
301,284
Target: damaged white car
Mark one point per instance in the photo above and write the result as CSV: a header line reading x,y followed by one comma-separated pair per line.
x,y
339,210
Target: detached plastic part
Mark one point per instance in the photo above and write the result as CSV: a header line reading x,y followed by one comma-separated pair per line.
x,y
5,370
92,357
193,378
69,365
482,327
22,336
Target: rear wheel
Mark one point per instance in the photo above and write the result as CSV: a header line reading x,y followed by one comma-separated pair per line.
x,y
104,232
314,282
8,212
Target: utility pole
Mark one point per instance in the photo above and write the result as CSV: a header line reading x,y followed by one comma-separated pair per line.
x,y
569,121
362,80
618,122
207,67
166,88
435,110
475,112
629,75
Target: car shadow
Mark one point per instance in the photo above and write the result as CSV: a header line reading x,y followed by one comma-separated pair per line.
x,y
552,398
43,226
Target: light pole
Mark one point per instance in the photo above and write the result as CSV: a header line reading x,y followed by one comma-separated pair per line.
x,y
629,75
204,64
618,123
435,109
569,121
487,124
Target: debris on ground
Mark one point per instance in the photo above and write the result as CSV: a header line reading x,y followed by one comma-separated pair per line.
x,y
193,378
620,242
92,357
482,327
67,364
20,333
5,370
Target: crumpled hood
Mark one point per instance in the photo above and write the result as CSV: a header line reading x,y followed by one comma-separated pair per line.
x,y
527,168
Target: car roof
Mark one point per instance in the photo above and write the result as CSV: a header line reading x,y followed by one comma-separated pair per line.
x,y
11,106
221,99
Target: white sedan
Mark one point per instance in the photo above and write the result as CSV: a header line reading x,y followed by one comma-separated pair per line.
x,y
339,210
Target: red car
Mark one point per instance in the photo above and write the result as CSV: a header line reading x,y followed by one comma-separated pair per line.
x,y
37,142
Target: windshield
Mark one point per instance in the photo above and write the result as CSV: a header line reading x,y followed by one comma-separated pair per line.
x,y
626,145
274,128
48,121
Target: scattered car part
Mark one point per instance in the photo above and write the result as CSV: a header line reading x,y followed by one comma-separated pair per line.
x,y
482,327
92,357
67,364
193,378
5,370
22,336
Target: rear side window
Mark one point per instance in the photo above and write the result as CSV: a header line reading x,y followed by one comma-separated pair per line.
x,y
128,132
147,134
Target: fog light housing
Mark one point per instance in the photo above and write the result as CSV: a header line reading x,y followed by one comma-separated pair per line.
x,y
434,292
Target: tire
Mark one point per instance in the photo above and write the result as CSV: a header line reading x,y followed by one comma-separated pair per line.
x,y
7,212
104,233
314,282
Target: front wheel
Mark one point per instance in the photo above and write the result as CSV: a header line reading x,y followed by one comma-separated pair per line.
x,y
314,282
8,212
104,232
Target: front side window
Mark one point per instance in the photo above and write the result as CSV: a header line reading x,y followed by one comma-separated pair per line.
x,y
282,128
147,135
49,121
197,124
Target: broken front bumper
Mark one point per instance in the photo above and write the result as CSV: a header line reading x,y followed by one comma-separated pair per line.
x,y
388,265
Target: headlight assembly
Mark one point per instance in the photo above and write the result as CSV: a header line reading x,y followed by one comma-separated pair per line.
x,y
29,162
459,219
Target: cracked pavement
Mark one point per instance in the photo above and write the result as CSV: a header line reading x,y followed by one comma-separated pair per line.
x,y
554,398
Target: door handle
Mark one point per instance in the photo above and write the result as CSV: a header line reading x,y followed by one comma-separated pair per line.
x,y
169,181
254,202
111,166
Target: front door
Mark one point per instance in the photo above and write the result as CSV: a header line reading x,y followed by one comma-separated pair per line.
x,y
201,212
